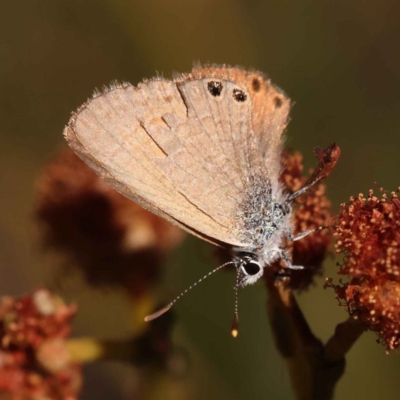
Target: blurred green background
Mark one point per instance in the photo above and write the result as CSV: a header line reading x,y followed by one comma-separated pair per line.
x,y
338,60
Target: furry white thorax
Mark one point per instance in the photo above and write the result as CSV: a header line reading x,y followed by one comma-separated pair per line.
x,y
269,236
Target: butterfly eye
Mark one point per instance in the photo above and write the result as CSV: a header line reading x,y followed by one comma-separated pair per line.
x,y
251,267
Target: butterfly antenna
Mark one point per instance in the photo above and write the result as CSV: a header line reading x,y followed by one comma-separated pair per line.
x,y
235,322
163,310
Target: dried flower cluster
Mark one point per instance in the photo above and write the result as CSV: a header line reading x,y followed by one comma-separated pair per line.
x,y
34,359
112,240
368,235
313,210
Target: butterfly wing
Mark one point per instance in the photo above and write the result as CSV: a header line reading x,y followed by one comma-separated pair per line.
x,y
175,148
269,113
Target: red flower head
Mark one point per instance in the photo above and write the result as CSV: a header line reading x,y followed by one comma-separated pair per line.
x,y
109,238
34,359
368,235
313,210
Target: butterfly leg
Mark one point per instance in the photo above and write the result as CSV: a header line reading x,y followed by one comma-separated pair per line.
x,y
308,185
301,235
327,161
287,261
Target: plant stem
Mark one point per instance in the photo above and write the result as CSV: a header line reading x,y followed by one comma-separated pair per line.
x,y
314,369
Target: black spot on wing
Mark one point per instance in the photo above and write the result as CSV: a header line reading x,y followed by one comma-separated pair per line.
x,y
215,88
239,95
255,84
278,102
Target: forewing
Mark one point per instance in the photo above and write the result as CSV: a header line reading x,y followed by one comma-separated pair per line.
x,y
148,142
182,149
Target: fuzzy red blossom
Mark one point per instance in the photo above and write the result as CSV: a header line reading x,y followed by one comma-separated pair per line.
x,y
109,238
31,365
312,210
368,236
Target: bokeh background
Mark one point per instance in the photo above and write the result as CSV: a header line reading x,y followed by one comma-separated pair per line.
x,y
338,60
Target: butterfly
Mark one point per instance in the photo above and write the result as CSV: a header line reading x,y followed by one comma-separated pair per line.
x,y
203,151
